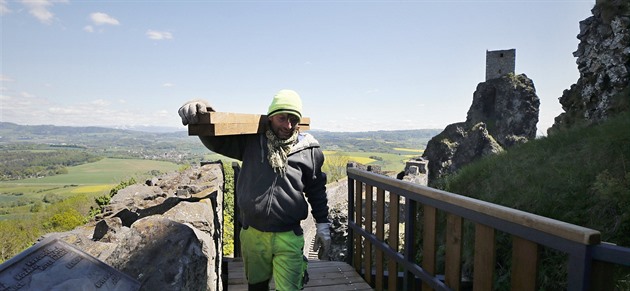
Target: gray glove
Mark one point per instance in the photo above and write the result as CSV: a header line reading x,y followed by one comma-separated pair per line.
x,y
322,241
189,112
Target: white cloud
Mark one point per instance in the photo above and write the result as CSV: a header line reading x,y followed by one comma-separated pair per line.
x,y
168,85
88,28
100,102
163,113
28,109
159,35
3,8
21,107
4,78
27,96
100,18
40,9
64,111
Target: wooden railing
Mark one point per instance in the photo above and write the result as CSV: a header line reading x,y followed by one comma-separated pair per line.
x,y
380,260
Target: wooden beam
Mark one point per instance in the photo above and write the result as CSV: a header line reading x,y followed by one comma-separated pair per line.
x,y
227,123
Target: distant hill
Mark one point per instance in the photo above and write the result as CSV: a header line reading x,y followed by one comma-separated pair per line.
x,y
103,137
90,136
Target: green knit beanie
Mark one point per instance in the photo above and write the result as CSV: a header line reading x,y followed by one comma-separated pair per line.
x,y
286,101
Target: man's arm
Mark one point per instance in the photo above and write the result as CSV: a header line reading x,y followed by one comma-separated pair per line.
x,y
315,190
231,146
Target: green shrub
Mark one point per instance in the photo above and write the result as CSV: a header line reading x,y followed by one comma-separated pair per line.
x,y
16,236
64,221
228,211
51,198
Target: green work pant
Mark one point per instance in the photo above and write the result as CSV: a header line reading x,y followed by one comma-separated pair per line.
x,y
277,254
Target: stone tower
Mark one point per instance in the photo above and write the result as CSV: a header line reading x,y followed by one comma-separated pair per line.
x,y
499,63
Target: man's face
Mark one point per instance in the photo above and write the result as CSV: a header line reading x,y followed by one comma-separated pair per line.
x,y
284,124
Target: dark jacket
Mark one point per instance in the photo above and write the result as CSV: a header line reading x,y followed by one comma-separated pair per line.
x,y
267,200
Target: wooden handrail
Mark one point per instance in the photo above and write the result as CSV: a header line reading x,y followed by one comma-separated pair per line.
x,y
418,192
368,249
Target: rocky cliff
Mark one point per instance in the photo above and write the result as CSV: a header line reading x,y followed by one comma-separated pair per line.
x,y
165,233
504,112
603,59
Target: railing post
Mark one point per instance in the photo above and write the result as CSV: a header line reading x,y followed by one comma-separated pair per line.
x,y
579,268
350,242
410,226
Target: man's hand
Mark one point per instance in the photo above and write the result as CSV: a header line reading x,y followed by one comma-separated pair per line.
x,y
322,241
189,112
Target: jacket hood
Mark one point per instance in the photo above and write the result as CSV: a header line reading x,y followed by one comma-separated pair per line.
x,y
305,141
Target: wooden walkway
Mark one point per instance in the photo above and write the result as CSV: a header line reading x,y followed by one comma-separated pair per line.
x,y
323,275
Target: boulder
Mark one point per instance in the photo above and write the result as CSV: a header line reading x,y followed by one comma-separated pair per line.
x,y
504,113
603,59
508,106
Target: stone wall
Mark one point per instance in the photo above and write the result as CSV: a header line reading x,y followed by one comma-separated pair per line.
x,y
165,233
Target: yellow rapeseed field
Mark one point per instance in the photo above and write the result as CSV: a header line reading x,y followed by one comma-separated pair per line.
x,y
409,150
93,188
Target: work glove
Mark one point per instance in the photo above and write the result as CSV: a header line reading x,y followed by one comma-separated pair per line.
x,y
190,111
322,241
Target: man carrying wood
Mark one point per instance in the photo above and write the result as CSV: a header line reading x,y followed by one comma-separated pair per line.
x,y
281,171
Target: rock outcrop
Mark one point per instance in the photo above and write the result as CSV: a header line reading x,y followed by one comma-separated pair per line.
x,y
165,233
504,113
603,59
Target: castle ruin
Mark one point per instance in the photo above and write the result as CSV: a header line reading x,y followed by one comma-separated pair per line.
x,y
499,63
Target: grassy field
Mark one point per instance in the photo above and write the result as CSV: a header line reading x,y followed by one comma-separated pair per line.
x,y
96,179
93,179
394,162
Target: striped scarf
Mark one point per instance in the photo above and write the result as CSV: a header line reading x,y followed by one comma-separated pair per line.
x,y
279,150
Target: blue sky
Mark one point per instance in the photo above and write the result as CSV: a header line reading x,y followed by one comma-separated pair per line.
x,y
358,65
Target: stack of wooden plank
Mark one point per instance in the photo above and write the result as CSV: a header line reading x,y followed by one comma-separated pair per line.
x,y
225,123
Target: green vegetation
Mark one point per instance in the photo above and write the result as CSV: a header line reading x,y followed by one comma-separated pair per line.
x,y
30,208
20,232
580,176
93,179
228,210
39,161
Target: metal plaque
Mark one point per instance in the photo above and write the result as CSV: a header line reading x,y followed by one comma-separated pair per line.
x,y
56,265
